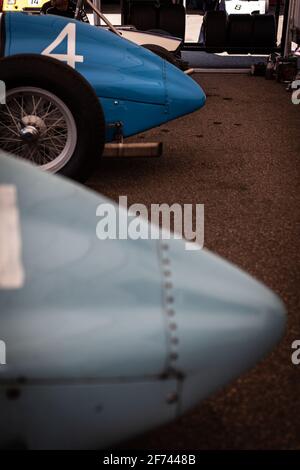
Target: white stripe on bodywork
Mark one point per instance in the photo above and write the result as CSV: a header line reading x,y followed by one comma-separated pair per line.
x,y
11,269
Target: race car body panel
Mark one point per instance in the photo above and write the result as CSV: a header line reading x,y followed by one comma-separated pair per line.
x,y
234,7
170,43
134,85
109,337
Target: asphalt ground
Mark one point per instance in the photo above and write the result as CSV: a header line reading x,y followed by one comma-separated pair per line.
x,y
240,156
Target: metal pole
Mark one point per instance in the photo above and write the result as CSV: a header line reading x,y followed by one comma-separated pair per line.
x,y
285,32
150,149
97,19
102,17
277,14
79,5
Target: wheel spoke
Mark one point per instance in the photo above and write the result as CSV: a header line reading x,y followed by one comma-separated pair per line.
x,y
36,105
9,129
35,125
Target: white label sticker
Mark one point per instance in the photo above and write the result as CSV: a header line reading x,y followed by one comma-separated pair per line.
x,y
11,269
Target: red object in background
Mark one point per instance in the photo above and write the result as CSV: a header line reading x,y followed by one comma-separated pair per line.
x,y
1,5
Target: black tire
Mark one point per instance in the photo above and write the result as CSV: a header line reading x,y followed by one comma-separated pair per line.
x,y
240,32
143,16
215,29
79,98
172,18
264,31
163,53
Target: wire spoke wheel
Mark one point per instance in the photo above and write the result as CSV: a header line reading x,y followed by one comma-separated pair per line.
x,y
37,126
52,116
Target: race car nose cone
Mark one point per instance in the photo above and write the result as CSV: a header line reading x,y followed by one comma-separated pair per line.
x,y
224,321
90,324
183,92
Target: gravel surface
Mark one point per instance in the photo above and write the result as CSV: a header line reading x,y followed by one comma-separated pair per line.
x,y
239,156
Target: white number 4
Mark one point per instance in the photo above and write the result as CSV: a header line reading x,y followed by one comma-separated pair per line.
x,y
70,57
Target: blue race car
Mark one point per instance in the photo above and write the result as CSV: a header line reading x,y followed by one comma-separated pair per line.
x,y
71,87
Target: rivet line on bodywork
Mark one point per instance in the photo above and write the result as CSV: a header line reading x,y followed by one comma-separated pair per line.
x,y
168,305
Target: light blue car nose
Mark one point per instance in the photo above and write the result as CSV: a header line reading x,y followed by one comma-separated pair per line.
x,y
184,95
223,322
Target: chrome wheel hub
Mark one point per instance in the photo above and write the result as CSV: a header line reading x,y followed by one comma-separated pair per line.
x,y
37,126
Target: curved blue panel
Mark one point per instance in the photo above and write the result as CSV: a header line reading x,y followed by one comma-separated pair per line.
x,y
226,321
81,313
115,67
151,90
141,322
